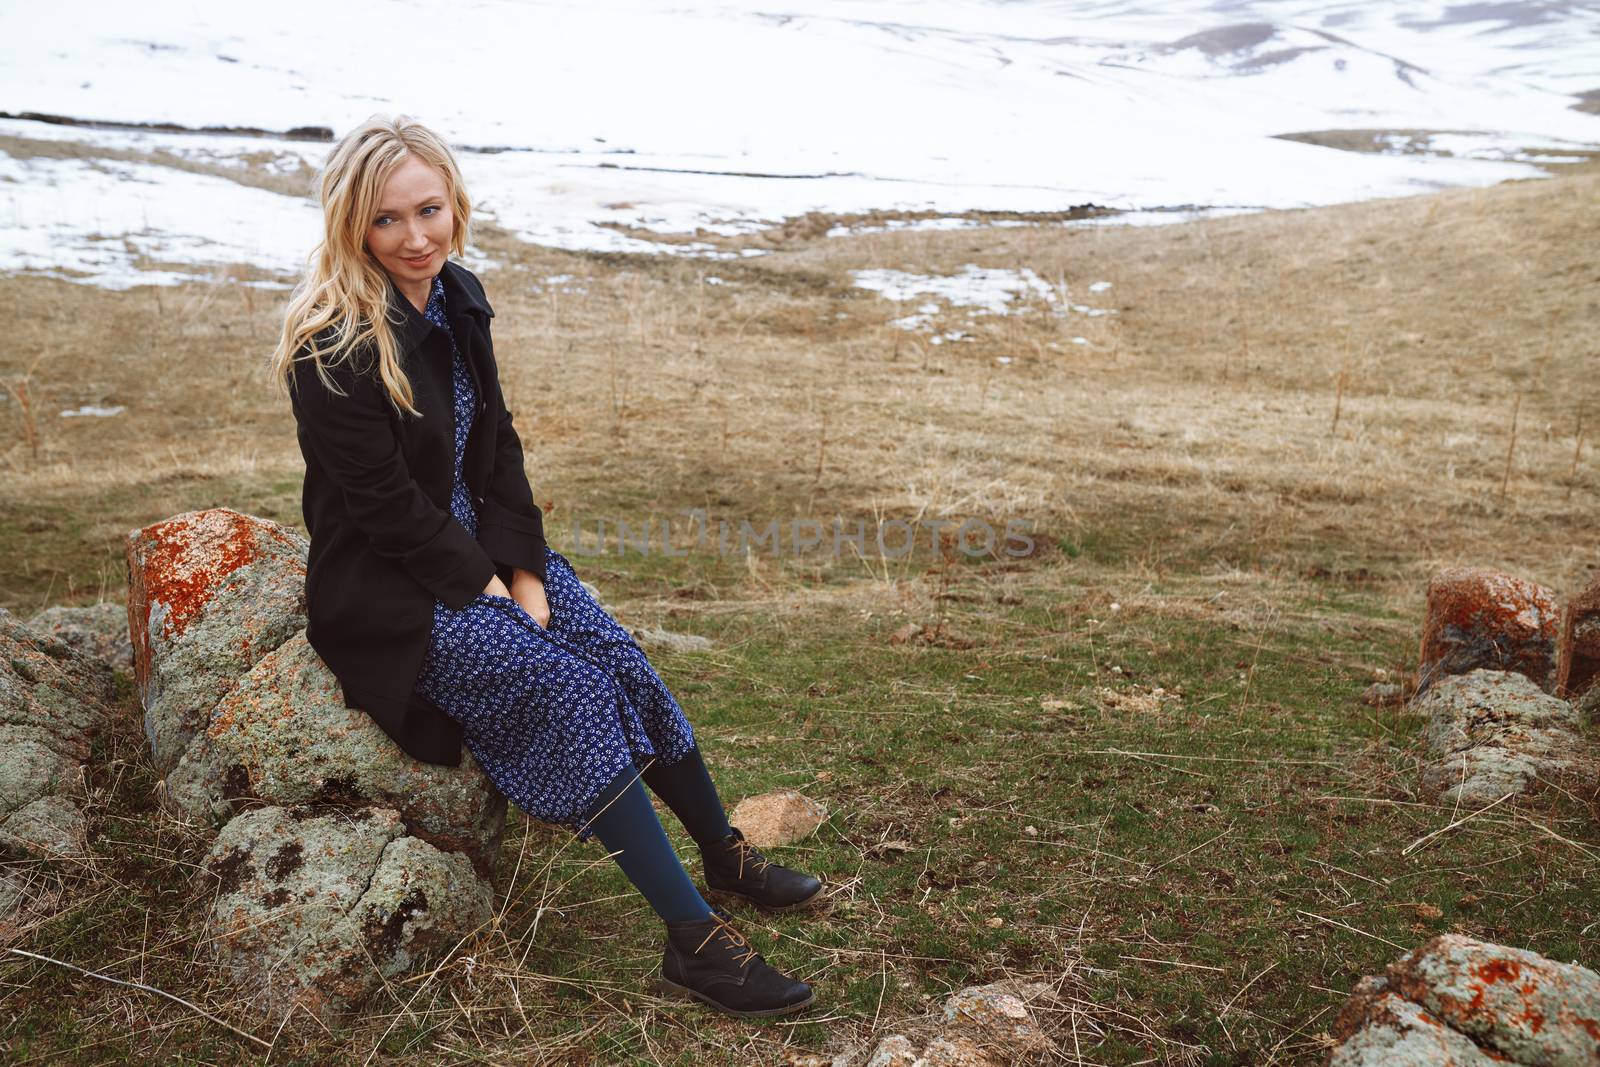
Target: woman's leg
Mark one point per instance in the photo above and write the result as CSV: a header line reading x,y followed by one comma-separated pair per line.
x,y
676,773
627,825
687,789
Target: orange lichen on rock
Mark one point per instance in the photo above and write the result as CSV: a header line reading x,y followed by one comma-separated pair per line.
x,y
1482,618
183,560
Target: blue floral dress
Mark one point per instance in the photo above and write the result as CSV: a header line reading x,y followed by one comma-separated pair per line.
x,y
552,716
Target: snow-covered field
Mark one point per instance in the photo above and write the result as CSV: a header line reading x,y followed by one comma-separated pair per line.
x,y
641,127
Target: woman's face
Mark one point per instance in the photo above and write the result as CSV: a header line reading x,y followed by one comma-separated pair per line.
x,y
410,234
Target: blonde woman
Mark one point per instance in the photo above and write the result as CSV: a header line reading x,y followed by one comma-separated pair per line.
x,y
432,594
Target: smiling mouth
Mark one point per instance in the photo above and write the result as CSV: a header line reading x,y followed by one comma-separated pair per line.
x,y
418,261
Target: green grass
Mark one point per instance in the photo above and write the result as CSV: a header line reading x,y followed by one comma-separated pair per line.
x,y
1204,878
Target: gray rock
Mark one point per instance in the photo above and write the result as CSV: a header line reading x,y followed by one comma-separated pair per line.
x,y
1456,1000
283,735
896,1050
99,631
209,594
53,699
1493,732
1394,1032
649,638
1384,695
319,910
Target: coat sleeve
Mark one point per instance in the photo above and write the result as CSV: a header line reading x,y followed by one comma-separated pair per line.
x,y
510,524
352,441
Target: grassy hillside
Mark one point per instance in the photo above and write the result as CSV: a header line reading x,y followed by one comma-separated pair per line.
x,y
1132,764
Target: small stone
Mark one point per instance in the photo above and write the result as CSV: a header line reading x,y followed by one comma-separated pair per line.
x,y
896,1050
905,633
1385,695
993,1017
777,818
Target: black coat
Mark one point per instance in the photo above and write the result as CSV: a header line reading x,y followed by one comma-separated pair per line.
x,y
376,501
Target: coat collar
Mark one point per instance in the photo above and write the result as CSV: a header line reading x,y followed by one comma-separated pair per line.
x,y
462,293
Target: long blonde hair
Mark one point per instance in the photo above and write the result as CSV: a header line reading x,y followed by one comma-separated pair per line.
x,y
340,306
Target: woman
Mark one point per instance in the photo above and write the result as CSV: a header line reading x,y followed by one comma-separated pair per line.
x,y
431,593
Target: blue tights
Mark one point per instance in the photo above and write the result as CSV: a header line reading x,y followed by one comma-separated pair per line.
x,y
627,825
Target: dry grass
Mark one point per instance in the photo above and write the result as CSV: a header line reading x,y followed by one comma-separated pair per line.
x,y
1204,409
1291,420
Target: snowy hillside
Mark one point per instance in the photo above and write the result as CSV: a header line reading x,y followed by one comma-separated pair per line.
x,y
619,125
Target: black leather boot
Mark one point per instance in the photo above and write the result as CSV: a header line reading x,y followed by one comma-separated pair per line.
x,y
711,962
735,866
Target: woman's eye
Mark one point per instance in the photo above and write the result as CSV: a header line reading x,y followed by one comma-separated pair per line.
x,y
429,208
382,220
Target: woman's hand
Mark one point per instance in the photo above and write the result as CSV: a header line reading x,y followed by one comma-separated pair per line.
x,y
528,590
496,588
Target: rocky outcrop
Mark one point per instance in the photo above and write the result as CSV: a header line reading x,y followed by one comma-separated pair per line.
x,y
318,910
982,1026
1459,1001
99,631
777,818
1483,619
209,594
341,861
283,735
1579,644
1493,732
53,700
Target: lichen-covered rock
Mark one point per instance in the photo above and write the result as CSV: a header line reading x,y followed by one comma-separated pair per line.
x,y
1380,1029
53,700
320,909
896,1050
283,735
99,631
1484,619
777,818
209,594
1456,1000
1579,644
1493,732
983,1026
995,1016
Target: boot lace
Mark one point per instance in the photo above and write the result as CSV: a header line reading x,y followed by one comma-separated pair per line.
x,y
732,938
747,851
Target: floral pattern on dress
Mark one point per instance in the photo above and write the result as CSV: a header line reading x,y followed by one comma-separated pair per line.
x,y
552,715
